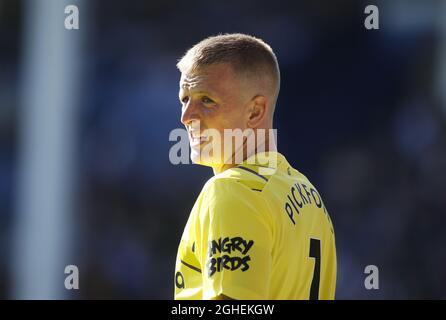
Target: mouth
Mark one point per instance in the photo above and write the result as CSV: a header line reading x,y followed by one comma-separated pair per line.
x,y
196,138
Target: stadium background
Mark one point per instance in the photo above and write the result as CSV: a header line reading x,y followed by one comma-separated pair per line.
x,y
362,113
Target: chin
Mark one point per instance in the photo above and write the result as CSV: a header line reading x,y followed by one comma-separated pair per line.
x,y
208,161
195,156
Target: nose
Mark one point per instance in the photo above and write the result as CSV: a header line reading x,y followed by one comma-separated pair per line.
x,y
189,113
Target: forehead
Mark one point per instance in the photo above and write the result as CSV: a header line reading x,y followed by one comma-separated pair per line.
x,y
218,77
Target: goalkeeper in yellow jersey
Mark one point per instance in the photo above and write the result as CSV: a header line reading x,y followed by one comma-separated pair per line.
x,y
259,229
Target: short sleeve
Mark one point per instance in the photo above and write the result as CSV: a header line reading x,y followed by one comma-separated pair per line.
x,y
235,235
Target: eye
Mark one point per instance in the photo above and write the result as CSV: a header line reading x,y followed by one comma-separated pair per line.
x,y
207,100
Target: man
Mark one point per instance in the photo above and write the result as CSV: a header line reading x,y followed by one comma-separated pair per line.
x,y
259,229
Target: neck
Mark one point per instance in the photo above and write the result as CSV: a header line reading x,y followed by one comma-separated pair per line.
x,y
263,145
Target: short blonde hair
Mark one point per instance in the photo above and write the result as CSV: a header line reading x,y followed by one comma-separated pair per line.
x,y
246,54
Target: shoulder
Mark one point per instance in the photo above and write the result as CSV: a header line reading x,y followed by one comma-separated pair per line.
x,y
229,198
235,192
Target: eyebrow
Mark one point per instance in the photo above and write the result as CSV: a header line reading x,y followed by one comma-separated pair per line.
x,y
184,86
198,92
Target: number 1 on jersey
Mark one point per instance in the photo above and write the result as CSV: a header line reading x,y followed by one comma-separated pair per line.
x,y
315,252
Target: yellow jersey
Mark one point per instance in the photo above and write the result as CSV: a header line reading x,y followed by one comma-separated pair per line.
x,y
256,235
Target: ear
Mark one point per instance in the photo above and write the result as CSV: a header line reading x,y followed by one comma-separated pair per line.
x,y
257,111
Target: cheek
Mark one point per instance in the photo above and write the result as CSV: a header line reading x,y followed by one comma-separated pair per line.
x,y
208,112
229,123
227,116
233,117
237,120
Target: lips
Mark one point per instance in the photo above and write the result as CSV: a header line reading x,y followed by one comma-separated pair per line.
x,y
197,138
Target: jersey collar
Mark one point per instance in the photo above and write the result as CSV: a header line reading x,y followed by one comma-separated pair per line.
x,y
266,160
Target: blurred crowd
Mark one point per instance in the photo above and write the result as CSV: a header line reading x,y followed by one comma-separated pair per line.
x,y
357,113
